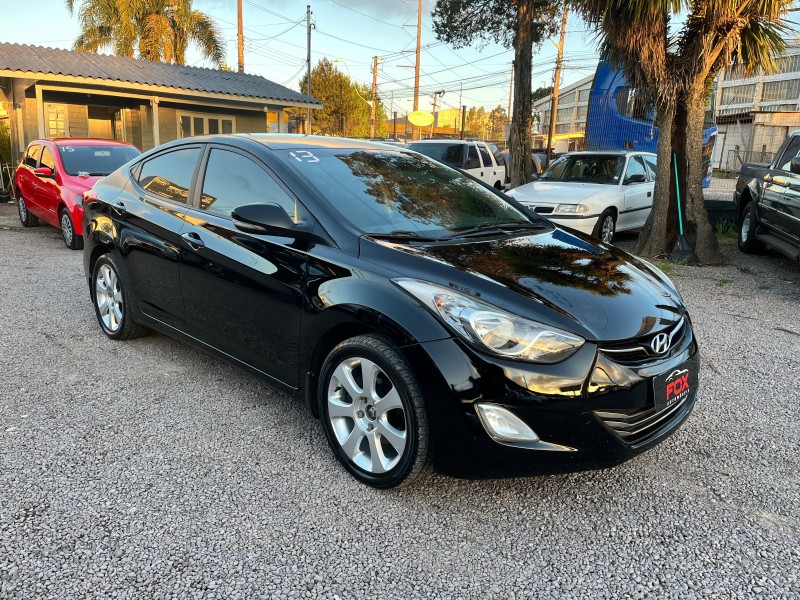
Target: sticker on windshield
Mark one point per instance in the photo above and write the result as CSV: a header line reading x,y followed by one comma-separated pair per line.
x,y
304,156
67,149
102,152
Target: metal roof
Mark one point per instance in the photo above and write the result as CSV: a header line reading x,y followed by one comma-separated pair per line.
x,y
105,68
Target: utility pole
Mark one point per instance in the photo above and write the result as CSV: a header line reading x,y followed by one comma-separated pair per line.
x,y
308,61
556,82
463,119
435,95
240,37
415,130
374,96
394,126
510,92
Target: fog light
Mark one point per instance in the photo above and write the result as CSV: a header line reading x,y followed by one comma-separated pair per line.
x,y
504,426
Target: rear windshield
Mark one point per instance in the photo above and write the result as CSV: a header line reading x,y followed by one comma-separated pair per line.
x,y
95,160
449,154
384,191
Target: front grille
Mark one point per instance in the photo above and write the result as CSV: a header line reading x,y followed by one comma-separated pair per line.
x,y
639,425
544,210
638,351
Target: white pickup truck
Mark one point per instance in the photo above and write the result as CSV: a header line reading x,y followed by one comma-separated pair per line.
x,y
473,157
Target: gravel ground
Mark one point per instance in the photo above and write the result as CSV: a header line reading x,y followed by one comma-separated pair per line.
x,y
150,470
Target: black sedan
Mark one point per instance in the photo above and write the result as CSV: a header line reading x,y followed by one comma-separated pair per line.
x,y
424,317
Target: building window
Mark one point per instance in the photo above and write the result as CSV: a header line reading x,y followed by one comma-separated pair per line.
x,y
738,94
580,126
57,124
564,128
583,95
788,89
272,122
564,114
581,112
568,98
190,124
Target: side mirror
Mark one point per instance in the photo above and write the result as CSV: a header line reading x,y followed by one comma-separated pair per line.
x,y
534,176
264,219
43,172
637,178
794,166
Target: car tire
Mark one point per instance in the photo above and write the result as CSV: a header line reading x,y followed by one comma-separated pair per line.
x,y
71,239
606,226
748,243
381,445
111,301
25,217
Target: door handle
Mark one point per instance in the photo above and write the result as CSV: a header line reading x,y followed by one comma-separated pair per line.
x,y
195,241
649,194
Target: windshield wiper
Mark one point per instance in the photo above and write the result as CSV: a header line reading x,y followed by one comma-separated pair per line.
x,y
400,234
488,228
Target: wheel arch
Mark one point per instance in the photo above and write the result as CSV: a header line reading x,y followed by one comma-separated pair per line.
x,y
746,198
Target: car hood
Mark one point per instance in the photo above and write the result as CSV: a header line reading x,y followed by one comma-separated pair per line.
x,y
545,192
562,279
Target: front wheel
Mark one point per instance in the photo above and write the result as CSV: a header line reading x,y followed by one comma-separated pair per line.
x,y
373,414
71,239
748,243
112,301
606,226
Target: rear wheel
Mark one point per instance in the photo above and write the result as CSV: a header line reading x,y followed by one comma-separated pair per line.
x,y
25,217
373,414
606,226
112,301
747,230
71,239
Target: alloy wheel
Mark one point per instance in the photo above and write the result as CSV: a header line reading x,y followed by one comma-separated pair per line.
x,y
745,230
366,415
66,228
108,295
608,229
23,210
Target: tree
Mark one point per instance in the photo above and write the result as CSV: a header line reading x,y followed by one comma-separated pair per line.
x,y
345,105
497,122
475,122
160,30
520,24
541,92
675,71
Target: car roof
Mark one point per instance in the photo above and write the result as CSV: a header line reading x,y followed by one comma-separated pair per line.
x,y
82,142
607,152
442,141
278,141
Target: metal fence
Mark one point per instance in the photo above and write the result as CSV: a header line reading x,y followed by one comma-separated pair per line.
x,y
736,158
6,178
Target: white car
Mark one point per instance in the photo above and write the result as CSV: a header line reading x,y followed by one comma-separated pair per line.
x,y
473,157
598,193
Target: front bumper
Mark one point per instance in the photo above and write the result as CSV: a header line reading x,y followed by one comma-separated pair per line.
x,y
583,224
591,411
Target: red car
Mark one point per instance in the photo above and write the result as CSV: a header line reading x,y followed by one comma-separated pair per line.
x,y
54,174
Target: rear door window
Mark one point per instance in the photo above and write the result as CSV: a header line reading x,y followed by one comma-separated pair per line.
x,y
485,158
473,162
650,163
169,175
32,156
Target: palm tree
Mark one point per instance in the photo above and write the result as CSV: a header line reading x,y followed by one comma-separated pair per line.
x,y
676,70
159,30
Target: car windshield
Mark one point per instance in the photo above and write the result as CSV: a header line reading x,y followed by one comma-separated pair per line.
x,y
385,192
449,154
97,160
586,168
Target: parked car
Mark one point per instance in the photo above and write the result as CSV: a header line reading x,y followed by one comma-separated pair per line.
x,y
472,157
418,313
54,175
598,193
767,202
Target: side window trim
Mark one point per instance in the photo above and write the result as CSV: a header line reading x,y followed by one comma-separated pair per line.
x,y
793,145
201,177
36,157
137,170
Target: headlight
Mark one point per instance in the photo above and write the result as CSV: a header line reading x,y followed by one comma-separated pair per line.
x,y
492,328
572,209
79,199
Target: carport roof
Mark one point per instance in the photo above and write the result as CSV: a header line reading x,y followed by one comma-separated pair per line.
x,y
28,60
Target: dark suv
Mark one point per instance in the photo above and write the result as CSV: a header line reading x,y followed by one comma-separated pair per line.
x,y
421,315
